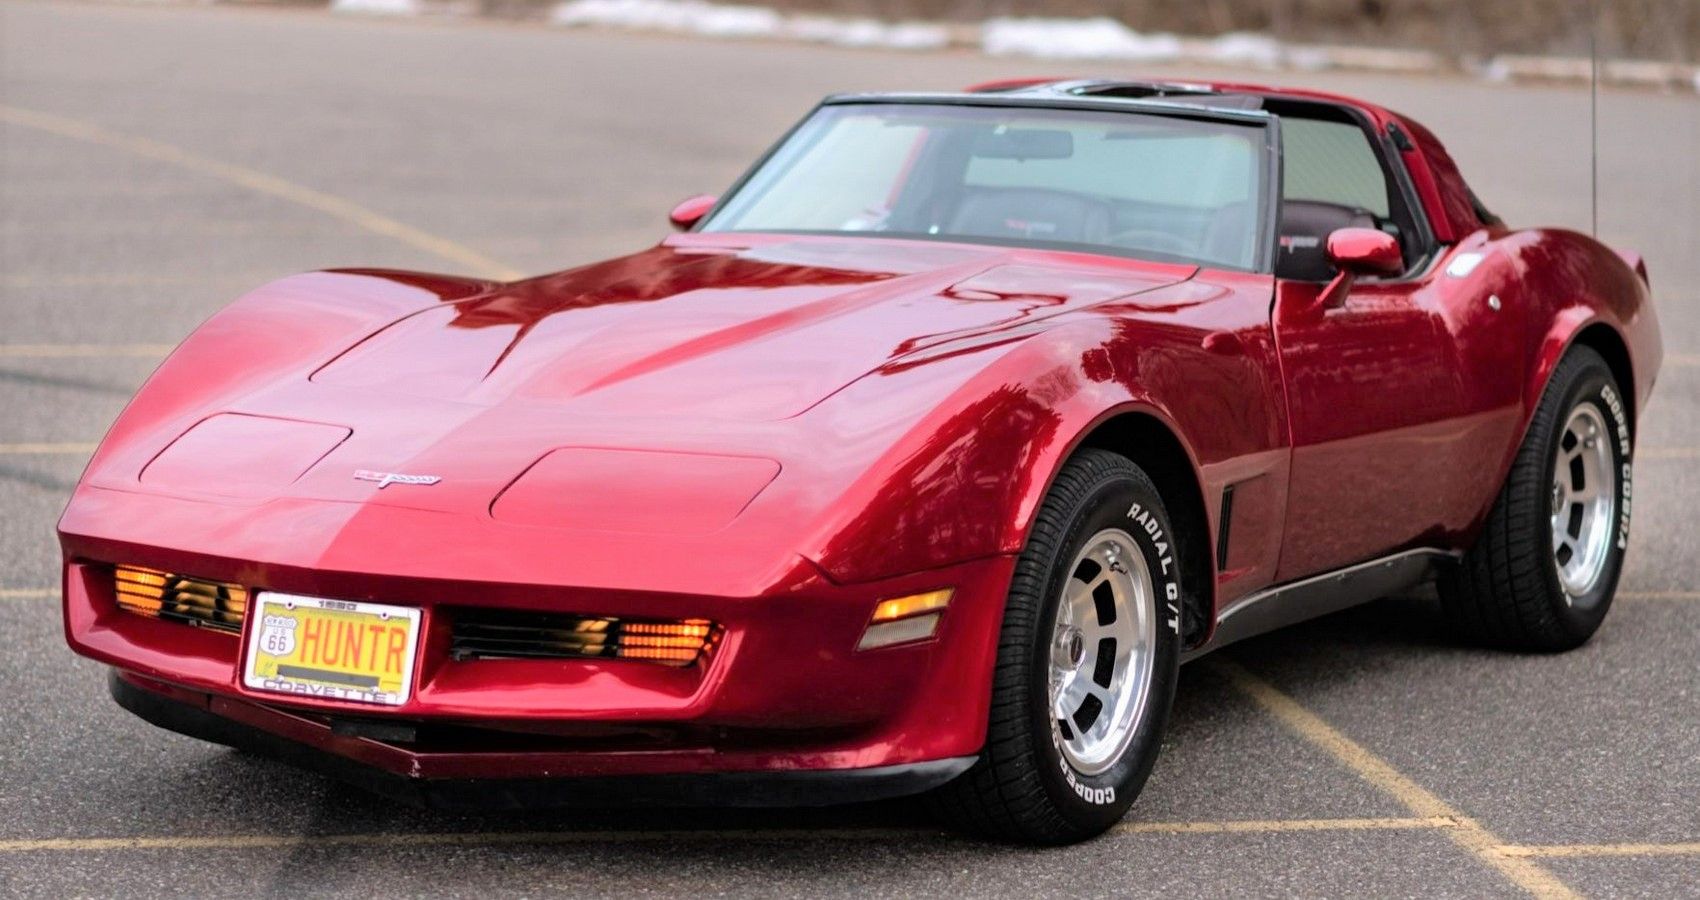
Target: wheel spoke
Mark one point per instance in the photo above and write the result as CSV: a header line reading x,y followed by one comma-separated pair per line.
x,y
1074,693
1098,707
1105,721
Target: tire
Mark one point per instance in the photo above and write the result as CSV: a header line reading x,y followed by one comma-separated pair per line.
x,y
1031,784
1541,577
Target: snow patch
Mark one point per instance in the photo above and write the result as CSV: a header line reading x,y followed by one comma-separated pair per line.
x,y
378,7
1097,38
741,21
1245,49
867,33
686,16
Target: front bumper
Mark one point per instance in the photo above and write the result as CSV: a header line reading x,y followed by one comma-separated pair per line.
x,y
785,693
302,742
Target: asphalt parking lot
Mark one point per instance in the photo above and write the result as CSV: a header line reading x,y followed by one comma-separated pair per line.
x,y
156,161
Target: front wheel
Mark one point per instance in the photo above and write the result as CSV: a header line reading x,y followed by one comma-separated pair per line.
x,y
1087,663
1542,575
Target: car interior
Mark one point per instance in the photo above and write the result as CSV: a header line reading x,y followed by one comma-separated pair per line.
x,y
1335,175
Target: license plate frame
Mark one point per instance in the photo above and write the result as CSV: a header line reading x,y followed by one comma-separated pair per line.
x,y
283,629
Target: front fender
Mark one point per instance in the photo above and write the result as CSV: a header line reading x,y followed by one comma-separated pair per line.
x,y
965,478
968,480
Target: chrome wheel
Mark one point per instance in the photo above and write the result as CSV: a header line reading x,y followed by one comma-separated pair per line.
x,y
1103,649
1584,500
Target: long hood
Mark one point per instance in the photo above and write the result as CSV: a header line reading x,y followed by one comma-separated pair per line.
x,y
409,425
743,332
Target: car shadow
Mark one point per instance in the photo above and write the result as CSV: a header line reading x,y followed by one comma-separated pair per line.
x,y
1208,727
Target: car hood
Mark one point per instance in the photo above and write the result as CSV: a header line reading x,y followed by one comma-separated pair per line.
x,y
550,431
741,330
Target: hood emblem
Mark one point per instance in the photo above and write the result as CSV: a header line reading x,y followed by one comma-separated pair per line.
x,y
385,479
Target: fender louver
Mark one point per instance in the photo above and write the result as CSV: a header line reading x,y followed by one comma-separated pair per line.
x,y
192,601
508,634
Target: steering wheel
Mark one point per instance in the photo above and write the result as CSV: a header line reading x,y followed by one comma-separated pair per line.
x,y
1160,241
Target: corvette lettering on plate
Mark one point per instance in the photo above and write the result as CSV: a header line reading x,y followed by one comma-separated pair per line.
x,y
332,649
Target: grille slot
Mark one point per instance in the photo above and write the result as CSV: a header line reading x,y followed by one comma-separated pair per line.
x,y
508,634
178,598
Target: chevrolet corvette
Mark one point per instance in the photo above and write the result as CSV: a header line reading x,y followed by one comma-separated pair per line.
x,y
916,463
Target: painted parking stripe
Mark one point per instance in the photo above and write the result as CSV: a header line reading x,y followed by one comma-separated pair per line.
x,y
130,280
80,351
1266,826
498,838
260,182
1559,851
1646,453
28,593
48,448
1467,833
1658,595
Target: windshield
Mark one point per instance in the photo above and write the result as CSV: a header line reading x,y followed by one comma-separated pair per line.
x,y
1130,184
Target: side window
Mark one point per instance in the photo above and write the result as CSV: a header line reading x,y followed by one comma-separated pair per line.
x,y
1333,178
1332,162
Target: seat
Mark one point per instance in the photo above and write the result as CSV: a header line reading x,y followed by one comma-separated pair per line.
x,y
1230,236
1032,214
1304,231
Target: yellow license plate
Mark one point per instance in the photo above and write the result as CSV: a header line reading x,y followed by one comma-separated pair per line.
x,y
331,649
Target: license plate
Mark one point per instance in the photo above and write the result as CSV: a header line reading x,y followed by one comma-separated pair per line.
x,y
332,649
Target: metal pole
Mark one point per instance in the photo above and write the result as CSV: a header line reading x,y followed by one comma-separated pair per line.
x,y
1594,109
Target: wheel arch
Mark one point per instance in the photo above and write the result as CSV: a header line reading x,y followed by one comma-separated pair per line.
x,y
1579,327
1610,345
1152,444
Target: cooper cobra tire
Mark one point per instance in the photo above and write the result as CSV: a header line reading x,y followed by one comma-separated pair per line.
x,y
1542,574
1087,662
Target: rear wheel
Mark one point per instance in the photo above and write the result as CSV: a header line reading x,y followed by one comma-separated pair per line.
x,y
1542,574
1087,663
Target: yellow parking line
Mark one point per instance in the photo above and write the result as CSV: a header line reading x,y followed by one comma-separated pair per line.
x,y
57,351
260,182
1646,453
1683,360
45,448
1658,595
1264,826
496,838
1564,850
121,280
274,841
1466,833
28,593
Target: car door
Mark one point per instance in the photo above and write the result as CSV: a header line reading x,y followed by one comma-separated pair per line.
x,y
1386,451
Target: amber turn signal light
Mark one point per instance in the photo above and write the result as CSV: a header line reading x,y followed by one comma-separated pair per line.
x,y
191,601
905,619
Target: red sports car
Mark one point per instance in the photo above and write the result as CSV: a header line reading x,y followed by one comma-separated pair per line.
x,y
918,463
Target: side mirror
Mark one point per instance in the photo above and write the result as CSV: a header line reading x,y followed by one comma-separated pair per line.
x,y
1355,252
687,214
1365,251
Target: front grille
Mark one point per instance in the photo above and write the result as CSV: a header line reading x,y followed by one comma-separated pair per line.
x,y
178,598
507,634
